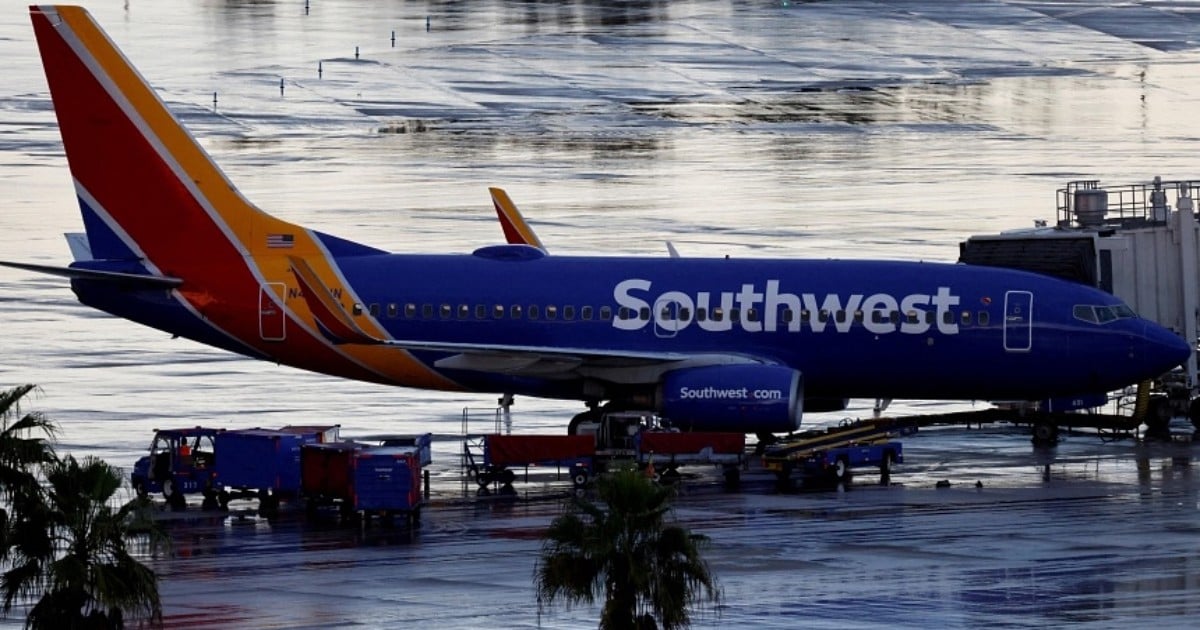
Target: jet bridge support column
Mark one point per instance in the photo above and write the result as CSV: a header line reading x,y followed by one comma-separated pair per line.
x,y
1186,219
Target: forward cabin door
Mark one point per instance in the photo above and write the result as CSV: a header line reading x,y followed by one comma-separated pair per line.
x,y
1018,321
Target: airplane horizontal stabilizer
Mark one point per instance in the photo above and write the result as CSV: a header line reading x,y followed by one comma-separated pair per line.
x,y
127,279
332,320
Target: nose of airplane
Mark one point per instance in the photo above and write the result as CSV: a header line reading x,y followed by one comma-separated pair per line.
x,y
1163,350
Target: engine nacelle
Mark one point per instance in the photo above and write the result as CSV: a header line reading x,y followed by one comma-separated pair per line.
x,y
736,398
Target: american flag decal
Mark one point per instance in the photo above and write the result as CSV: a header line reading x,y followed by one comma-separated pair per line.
x,y
280,240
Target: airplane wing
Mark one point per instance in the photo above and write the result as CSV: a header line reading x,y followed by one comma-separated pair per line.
x,y
546,361
128,279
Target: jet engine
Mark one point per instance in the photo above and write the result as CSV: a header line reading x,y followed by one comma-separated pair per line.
x,y
736,398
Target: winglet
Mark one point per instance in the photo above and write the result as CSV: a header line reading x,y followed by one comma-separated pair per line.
x,y
331,318
516,230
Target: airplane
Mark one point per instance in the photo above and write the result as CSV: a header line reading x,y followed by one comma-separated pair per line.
x,y
711,344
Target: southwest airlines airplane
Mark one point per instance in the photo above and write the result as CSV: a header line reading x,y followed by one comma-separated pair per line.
x,y
715,344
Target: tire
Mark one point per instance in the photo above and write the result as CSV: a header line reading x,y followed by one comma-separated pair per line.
x,y
1045,434
888,463
841,470
733,476
1158,417
579,477
507,477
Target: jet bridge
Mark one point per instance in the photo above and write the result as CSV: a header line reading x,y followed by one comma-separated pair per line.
x,y
1136,241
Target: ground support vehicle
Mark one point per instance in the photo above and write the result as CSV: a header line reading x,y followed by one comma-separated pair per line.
x,y
181,461
224,464
831,454
366,480
664,452
500,454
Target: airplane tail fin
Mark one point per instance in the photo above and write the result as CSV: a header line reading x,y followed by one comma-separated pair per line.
x,y
516,230
147,190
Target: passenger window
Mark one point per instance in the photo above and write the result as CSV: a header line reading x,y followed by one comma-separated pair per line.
x,y
894,317
966,318
515,312
375,310
701,314
751,314
551,312
427,311
585,313
481,311
840,317
447,311
624,313
717,314
356,309
410,310
913,317
983,318
947,316
735,315
877,317
533,311
788,314
464,311
392,310
605,313
498,311
644,313
568,313
684,314
929,317
823,316
666,312
858,317
805,316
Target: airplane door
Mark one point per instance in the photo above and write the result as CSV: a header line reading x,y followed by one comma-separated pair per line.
x,y
666,318
1018,321
271,318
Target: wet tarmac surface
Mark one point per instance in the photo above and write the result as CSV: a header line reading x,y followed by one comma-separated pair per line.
x,y
829,129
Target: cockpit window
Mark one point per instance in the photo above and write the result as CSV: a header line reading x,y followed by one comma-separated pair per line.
x,y
1098,314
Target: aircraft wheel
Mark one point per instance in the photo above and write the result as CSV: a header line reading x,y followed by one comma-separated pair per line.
x,y
1158,417
889,461
733,476
1194,413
